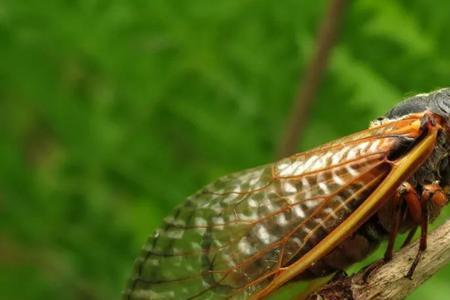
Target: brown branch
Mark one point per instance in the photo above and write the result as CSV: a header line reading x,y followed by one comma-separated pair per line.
x,y
389,281
306,91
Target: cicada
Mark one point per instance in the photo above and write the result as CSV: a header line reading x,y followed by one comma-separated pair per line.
x,y
307,215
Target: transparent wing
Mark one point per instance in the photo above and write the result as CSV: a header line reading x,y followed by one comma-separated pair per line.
x,y
229,239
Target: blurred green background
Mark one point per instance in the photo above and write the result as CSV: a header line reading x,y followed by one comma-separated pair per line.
x,y
112,112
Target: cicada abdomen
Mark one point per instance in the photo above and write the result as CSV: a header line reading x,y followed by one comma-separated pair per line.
x,y
246,234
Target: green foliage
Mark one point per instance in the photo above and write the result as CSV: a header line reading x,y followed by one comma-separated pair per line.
x,y
112,112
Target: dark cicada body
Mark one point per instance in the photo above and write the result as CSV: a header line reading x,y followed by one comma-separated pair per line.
x,y
305,216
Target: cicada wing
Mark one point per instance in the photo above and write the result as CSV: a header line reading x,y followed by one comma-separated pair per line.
x,y
232,238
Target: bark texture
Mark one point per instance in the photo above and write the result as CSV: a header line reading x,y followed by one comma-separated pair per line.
x,y
389,281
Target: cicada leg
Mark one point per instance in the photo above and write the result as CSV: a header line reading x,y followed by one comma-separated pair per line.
x,y
434,193
404,191
397,214
409,237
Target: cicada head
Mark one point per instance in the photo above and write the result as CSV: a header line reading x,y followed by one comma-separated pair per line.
x,y
437,168
437,102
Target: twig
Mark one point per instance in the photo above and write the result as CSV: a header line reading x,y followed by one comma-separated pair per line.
x,y
389,281
307,89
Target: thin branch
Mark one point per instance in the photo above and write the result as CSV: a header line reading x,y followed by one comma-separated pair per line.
x,y
389,281
307,89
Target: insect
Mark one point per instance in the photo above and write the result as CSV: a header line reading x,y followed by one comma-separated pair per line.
x,y
305,216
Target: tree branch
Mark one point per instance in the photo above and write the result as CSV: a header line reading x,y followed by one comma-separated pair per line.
x,y
307,89
388,281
